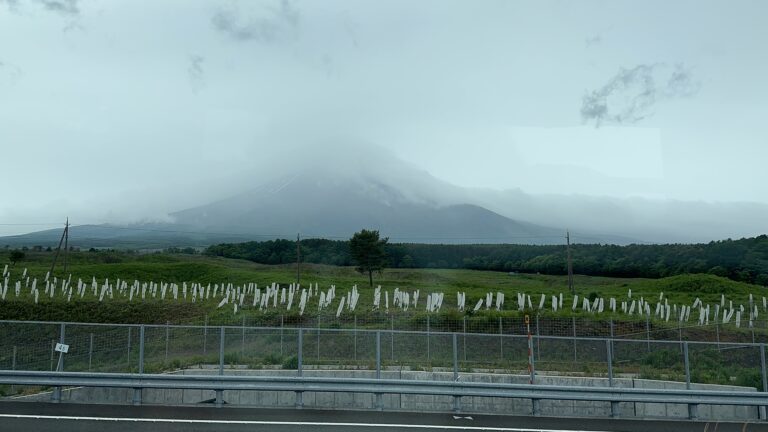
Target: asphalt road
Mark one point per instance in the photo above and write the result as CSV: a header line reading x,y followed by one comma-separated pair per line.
x,y
47,417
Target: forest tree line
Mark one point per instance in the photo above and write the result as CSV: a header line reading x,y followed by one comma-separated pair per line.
x,y
743,260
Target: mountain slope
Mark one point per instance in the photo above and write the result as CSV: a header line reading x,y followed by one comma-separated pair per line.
x,y
338,205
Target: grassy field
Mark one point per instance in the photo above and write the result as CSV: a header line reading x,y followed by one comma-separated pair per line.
x,y
265,350
202,269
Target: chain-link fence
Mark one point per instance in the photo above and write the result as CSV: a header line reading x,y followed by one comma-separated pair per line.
x,y
160,348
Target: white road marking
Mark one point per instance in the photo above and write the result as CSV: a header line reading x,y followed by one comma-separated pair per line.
x,y
284,423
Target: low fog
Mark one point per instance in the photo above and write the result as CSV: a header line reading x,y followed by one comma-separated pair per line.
x,y
633,120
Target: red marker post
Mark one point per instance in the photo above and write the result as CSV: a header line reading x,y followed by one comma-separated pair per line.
x,y
531,368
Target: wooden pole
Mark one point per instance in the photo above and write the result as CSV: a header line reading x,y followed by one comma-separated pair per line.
x,y
298,260
58,248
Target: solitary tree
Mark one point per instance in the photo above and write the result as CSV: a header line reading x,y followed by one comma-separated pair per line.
x,y
367,251
16,256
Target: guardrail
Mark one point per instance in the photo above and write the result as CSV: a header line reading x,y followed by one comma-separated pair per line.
x,y
378,387
451,345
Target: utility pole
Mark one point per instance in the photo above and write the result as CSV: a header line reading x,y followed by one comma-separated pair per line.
x,y
298,259
64,236
570,263
66,246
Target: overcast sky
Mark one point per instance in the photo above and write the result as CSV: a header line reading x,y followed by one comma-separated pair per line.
x,y
122,109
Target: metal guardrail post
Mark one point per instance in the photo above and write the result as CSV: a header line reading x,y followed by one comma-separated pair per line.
x,y
299,367
379,404
56,395
609,355
456,399
137,392
693,409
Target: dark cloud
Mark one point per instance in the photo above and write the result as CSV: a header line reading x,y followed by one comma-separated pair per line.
x,y
632,93
277,24
196,73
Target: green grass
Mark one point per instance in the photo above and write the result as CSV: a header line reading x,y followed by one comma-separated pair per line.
x,y
202,269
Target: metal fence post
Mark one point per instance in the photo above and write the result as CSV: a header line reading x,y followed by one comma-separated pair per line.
x,y
648,333
167,338
717,333
137,391
129,347
13,367
281,335
90,352
573,319
355,338
299,367
220,393
456,399
205,335
692,407
501,342
318,337
464,320
538,339
609,355
221,350
428,353
610,323
141,349
242,343
379,404
56,395
764,409
392,339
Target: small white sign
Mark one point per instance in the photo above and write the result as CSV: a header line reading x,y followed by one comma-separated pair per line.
x,y
62,348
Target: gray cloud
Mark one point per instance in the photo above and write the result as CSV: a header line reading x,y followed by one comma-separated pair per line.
x,y
12,4
632,93
196,73
64,7
10,72
593,40
279,23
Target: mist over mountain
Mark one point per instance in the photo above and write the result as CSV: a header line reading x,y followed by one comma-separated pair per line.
x,y
337,190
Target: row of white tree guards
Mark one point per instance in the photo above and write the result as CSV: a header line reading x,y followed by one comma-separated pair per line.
x,y
296,297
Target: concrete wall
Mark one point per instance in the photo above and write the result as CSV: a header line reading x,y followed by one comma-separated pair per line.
x,y
424,403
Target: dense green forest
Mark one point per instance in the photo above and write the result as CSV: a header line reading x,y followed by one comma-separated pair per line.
x,y
743,260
